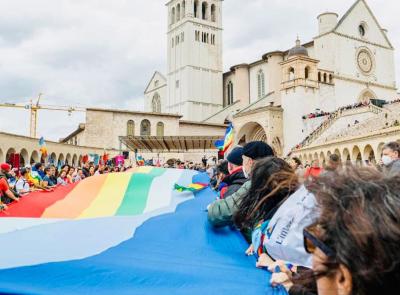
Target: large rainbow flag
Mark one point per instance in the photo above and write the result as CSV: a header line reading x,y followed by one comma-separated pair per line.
x,y
124,233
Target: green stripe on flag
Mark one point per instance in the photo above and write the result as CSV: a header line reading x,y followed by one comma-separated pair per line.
x,y
136,194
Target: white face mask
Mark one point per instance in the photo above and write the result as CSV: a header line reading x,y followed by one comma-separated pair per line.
x,y
246,174
386,160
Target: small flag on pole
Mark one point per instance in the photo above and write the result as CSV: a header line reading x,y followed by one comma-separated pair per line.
x,y
43,148
224,144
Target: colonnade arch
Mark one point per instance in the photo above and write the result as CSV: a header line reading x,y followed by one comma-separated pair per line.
x,y
34,158
251,131
369,154
9,154
68,159
346,156
356,155
24,158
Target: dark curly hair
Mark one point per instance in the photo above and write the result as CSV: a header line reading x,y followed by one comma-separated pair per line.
x,y
360,218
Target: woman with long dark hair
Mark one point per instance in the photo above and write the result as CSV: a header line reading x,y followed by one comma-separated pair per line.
x,y
272,182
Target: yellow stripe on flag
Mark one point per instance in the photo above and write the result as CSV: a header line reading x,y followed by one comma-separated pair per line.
x,y
110,196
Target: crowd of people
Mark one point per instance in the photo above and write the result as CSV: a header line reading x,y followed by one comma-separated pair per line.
x,y
316,115
339,225
352,238
16,183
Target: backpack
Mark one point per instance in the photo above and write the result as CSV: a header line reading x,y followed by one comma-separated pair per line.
x,y
283,238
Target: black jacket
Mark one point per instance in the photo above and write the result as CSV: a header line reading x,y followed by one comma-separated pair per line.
x,y
234,182
85,172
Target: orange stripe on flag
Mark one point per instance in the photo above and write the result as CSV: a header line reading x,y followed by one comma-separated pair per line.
x,y
77,200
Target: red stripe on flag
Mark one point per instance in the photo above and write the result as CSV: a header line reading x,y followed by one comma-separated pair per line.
x,y
34,204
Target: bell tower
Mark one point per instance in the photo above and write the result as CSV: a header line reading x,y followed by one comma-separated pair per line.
x,y
194,52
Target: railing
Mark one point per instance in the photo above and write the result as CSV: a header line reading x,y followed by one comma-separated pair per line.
x,y
339,114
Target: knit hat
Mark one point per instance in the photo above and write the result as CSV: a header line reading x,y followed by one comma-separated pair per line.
x,y
235,156
257,150
5,167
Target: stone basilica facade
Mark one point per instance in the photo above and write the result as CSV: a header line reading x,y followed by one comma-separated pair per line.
x,y
350,60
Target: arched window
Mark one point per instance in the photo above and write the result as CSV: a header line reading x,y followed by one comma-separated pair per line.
x,y
291,74
145,127
183,12
173,16
319,76
261,84
195,8
213,13
204,10
130,128
178,12
330,78
324,77
230,92
306,72
156,103
160,129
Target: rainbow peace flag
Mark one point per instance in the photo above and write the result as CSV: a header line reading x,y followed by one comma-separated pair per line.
x,y
123,233
224,144
115,194
193,187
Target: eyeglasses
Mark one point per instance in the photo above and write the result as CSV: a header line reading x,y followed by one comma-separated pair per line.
x,y
311,242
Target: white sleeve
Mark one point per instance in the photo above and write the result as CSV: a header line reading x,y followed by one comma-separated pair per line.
x,y
19,186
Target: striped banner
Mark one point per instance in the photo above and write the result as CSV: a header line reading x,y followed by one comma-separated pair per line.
x,y
116,194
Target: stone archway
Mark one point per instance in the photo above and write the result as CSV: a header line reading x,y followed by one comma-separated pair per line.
x,y
75,160
1,156
328,154
53,159
369,154
23,158
356,156
10,152
366,96
251,131
322,159
346,156
61,160
337,152
379,150
34,158
68,159
80,160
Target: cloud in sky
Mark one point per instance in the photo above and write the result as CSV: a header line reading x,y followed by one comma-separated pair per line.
x,y
102,53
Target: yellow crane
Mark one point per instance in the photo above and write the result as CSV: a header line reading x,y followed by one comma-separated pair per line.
x,y
34,107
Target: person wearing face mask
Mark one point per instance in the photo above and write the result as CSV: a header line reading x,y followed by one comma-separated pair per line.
x,y
390,158
220,212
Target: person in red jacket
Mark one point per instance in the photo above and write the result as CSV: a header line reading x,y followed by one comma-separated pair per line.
x,y
236,177
314,171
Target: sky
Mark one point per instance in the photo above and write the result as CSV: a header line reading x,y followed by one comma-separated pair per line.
x,y
102,53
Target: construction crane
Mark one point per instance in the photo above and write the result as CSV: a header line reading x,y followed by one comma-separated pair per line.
x,y
34,107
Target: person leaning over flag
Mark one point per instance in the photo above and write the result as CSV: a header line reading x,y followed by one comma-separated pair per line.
x,y
220,212
5,192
